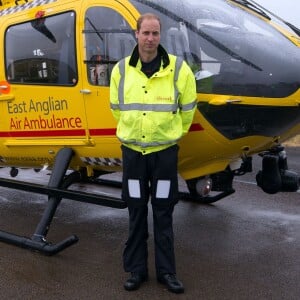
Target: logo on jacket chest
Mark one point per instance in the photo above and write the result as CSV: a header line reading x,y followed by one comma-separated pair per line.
x,y
162,98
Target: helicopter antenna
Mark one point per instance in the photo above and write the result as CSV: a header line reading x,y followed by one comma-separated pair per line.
x,y
293,27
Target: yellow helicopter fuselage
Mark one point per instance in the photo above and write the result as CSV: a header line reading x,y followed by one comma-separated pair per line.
x,y
54,83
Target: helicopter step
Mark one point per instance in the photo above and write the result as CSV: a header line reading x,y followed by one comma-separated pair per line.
x,y
56,190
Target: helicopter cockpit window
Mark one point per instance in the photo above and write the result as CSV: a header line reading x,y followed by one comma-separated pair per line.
x,y
42,51
108,38
230,50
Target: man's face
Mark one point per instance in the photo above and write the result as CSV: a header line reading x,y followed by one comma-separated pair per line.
x,y
148,36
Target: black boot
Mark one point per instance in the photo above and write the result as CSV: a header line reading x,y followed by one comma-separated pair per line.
x,y
171,282
135,281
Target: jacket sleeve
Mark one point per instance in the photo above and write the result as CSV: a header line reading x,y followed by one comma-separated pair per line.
x,y
114,87
186,85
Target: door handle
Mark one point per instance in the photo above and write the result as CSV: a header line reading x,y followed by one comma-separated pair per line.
x,y
222,101
233,101
85,91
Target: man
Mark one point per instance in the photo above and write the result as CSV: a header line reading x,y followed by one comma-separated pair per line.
x,y
153,98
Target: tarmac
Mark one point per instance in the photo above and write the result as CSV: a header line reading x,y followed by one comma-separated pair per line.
x,y
246,246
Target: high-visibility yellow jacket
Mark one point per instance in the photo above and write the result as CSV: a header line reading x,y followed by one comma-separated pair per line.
x,y
152,113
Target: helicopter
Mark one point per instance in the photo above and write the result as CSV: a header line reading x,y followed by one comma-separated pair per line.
x,y
55,109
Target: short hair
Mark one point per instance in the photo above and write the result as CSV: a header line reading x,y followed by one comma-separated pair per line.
x,y
146,16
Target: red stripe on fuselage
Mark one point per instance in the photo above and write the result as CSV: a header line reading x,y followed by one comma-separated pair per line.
x,y
196,127
43,133
103,131
73,133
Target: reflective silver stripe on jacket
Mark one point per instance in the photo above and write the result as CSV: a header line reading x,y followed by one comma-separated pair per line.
x,y
148,107
189,106
154,107
150,144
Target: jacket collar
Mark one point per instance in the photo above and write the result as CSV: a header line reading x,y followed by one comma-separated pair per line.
x,y
134,58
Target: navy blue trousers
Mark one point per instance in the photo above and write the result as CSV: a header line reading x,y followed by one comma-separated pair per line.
x,y
151,176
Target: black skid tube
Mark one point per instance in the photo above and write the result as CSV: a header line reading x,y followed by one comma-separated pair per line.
x,y
40,246
98,199
38,240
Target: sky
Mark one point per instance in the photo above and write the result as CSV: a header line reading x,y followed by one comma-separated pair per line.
x,y
289,10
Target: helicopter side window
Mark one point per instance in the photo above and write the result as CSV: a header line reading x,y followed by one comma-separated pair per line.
x,y
40,52
108,38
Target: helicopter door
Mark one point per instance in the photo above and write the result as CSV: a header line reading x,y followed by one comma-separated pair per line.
x,y
40,62
108,36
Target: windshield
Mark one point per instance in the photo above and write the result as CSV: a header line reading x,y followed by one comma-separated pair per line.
x,y
230,50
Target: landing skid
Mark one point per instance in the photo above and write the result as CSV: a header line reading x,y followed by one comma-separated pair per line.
x,y
207,199
56,190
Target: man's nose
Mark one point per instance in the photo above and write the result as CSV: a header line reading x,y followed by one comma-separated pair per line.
x,y
151,36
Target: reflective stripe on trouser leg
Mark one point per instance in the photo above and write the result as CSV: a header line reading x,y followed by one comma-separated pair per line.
x,y
163,189
134,188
